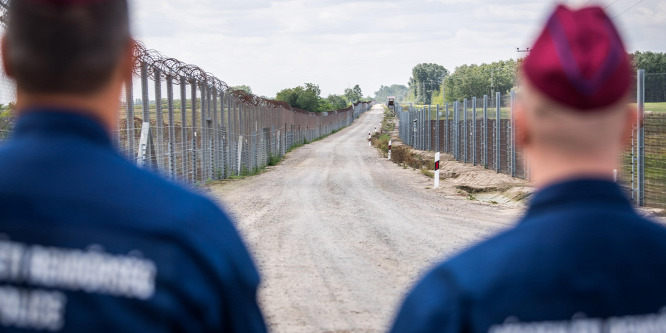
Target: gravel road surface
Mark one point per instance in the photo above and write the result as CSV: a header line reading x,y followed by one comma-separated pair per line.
x,y
340,234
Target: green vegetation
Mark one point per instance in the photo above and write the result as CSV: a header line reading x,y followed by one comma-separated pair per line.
x,y
353,94
475,81
426,79
428,173
6,120
273,160
304,97
397,90
653,63
244,88
337,102
655,107
308,98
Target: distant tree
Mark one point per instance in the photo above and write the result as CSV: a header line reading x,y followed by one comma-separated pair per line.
x,y
397,90
653,63
304,97
336,102
426,78
354,95
478,80
7,120
244,88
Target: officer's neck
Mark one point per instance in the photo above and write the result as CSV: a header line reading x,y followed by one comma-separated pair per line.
x,y
550,168
102,106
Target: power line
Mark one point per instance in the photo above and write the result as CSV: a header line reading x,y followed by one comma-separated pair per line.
x,y
628,9
612,3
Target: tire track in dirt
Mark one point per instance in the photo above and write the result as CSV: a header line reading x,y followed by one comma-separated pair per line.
x,y
340,235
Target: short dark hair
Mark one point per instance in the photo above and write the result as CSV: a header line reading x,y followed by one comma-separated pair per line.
x,y
66,47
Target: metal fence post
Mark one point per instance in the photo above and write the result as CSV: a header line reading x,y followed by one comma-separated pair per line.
x,y
183,127
424,145
422,129
465,130
216,138
446,129
437,119
193,98
498,131
429,128
145,99
205,166
640,130
172,128
454,129
474,131
159,120
513,133
230,138
485,131
129,97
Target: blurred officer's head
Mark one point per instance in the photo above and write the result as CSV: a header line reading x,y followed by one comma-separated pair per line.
x,y
67,47
573,115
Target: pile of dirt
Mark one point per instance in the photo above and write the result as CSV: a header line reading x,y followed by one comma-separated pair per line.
x,y
467,180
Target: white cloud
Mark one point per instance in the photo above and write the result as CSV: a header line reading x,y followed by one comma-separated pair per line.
x,y
271,45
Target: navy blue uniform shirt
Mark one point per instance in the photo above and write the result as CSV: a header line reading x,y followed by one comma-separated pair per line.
x,y
91,243
581,251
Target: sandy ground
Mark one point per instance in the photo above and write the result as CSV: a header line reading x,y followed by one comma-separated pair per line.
x,y
340,235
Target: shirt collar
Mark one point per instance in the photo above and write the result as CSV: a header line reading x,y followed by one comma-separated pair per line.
x,y
579,192
61,122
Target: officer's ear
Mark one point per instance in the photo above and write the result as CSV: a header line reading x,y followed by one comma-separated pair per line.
x,y
630,122
6,66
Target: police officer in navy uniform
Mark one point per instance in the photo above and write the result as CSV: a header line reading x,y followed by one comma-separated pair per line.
x,y
88,241
581,259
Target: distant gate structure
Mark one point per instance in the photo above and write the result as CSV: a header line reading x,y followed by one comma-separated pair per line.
x,y
391,103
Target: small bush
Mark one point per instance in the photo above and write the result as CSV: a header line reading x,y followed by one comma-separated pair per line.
x,y
381,141
427,173
274,160
399,154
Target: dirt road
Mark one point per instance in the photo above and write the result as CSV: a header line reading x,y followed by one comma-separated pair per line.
x,y
340,235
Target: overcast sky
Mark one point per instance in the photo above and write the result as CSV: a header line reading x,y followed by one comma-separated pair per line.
x,y
271,45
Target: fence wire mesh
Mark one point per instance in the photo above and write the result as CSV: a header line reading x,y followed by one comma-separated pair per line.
x,y
189,126
481,131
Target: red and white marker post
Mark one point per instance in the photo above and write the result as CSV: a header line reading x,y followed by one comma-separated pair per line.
x,y
389,152
369,139
437,156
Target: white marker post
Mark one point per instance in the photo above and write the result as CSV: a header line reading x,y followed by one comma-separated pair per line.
x,y
389,152
437,170
369,139
615,175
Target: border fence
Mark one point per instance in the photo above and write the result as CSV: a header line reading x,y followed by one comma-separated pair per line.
x,y
481,131
189,126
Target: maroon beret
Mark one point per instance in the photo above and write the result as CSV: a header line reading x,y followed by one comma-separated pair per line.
x,y
579,60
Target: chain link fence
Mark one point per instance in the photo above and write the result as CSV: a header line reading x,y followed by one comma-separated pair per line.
x,y
643,166
189,126
481,131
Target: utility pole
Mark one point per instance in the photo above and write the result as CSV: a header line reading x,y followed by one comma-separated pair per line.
x,y
527,50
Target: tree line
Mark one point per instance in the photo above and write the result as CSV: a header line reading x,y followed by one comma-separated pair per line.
x,y
433,84
308,97
654,65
